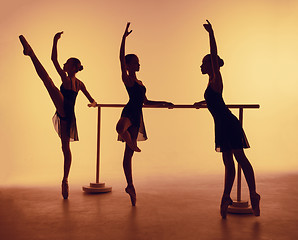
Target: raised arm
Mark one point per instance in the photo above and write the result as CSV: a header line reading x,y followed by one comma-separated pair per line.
x,y
217,80
125,77
55,56
87,94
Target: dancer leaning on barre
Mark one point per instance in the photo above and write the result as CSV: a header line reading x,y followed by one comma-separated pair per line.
x,y
131,127
229,136
64,100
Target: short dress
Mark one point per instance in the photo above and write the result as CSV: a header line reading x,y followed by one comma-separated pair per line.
x,y
70,118
229,133
133,109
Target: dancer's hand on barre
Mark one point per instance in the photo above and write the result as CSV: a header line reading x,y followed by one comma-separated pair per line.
x,y
158,103
93,104
200,104
167,104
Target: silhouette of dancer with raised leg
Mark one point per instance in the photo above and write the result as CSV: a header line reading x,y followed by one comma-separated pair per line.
x,y
64,100
230,138
131,126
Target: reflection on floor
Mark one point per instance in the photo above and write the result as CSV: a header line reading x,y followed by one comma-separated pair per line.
x,y
171,209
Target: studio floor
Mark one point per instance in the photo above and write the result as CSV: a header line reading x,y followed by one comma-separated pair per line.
x,y
170,208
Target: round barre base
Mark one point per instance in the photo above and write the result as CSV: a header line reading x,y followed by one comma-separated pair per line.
x,y
97,188
240,207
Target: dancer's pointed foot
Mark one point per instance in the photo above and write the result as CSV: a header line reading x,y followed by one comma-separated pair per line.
x,y
226,201
255,203
132,193
65,189
134,147
27,48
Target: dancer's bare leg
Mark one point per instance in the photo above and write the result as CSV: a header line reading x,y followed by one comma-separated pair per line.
x,y
229,172
250,179
229,180
127,166
65,148
67,157
128,153
53,91
247,169
122,129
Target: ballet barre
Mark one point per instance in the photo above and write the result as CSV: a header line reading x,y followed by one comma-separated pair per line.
x,y
238,206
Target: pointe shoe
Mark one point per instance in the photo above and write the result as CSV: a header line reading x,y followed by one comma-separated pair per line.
x,y
65,189
27,49
255,203
132,193
226,201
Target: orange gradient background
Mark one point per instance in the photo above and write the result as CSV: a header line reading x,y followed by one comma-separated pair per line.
x,y
258,40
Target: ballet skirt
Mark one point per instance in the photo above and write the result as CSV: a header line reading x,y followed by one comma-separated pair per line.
x,y
229,133
69,96
133,109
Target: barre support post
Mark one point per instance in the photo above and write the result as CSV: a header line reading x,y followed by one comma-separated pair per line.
x,y
98,145
97,187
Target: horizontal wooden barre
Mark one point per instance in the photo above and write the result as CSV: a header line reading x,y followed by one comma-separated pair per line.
x,y
189,106
182,106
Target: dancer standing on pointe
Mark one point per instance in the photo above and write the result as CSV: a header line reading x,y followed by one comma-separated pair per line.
x,y
230,138
64,100
131,127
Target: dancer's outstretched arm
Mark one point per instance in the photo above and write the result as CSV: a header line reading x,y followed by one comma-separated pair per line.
x,y
157,103
55,56
93,103
125,77
217,79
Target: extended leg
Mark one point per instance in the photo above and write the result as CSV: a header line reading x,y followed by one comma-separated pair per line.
x,y
250,179
247,169
54,92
